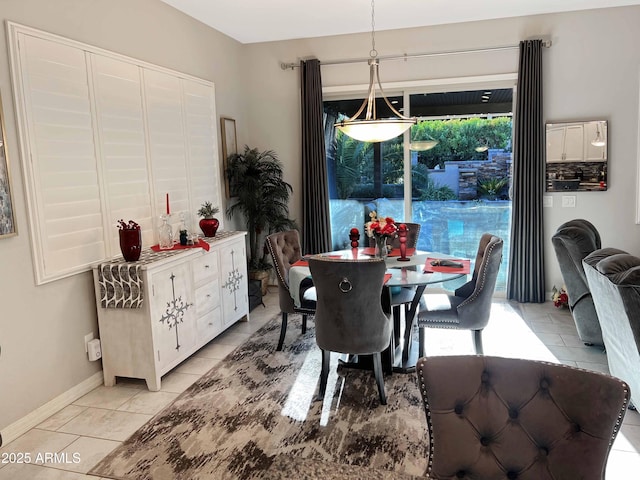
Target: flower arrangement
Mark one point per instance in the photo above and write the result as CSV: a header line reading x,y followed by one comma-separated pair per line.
x,y
559,297
380,227
128,226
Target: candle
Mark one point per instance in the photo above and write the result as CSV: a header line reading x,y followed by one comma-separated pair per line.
x,y
168,211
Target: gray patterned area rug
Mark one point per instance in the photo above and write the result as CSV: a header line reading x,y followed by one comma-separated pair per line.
x,y
255,416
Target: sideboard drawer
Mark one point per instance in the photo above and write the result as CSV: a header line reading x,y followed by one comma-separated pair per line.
x,y
205,267
210,324
207,297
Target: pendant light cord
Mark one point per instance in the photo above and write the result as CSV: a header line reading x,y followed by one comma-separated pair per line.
x,y
373,53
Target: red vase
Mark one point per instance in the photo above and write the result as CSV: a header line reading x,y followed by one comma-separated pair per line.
x,y
209,226
130,244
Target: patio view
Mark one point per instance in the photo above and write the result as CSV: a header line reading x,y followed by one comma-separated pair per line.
x,y
459,171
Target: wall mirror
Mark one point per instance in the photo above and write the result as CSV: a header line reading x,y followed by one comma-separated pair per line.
x,y
576,156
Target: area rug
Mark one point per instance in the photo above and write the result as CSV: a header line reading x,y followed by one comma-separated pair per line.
x,y
256,413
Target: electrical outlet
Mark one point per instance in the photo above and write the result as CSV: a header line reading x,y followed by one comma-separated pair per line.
x,y
569,201
87,338
547,201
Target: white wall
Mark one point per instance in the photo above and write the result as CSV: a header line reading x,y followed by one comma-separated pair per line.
x,y
590,72
42,328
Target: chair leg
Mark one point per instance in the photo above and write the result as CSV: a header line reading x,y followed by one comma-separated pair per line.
x,y
421,341
304,324
324,373
477,341
396,323
283,331
377,371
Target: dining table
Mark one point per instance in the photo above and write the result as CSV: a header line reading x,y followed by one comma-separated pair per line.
x,y
414,273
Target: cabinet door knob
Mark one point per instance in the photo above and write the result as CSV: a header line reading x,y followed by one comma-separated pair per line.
x,y
206,266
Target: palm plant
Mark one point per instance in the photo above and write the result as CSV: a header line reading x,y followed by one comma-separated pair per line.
x,y
261,196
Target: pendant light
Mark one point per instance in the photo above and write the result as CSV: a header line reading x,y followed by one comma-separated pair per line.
x,y
598,141
371,128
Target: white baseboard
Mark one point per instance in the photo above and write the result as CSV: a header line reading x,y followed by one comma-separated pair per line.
x,y
40,414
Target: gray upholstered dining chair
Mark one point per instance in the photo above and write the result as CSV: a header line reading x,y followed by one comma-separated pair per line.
x,y
492,417
285,250
349,314
469,307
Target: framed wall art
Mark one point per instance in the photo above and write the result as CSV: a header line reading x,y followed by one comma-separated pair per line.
x,y
229,147
7,221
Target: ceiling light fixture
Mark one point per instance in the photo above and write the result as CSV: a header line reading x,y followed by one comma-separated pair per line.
x,y
483,147
598,141
371,128
422,145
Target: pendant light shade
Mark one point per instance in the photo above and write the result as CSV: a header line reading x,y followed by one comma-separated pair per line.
x,y
598,141
371,128
422,145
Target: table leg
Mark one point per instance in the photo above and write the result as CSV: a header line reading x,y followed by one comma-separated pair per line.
x,y
410,318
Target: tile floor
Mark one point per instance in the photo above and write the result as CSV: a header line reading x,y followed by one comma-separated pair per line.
x,y
92,426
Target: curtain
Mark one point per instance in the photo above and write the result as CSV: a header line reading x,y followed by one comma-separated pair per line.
x,y
316,226
525,282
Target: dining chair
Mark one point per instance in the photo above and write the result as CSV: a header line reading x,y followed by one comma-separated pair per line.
x,y
469,307
285,250
494,417
349,314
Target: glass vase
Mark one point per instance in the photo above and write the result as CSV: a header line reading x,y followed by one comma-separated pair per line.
x,y
165,233
381,246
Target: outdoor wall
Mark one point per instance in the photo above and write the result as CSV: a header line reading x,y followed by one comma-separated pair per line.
x,y
42,328
576,87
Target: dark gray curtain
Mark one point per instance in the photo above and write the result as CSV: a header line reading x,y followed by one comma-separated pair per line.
x,y
526,259
316,226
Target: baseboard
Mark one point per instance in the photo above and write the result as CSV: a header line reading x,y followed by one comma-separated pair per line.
x,y
40,414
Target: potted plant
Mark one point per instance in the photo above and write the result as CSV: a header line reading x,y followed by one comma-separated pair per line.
x,y
208,224
261,196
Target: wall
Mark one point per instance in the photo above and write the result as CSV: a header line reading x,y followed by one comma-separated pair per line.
x,y
590,72
42,328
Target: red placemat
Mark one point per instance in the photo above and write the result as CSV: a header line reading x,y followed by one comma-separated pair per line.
x,y
387,276
393,253
177,246
466,266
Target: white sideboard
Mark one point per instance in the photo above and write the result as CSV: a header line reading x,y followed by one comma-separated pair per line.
x,y
156,312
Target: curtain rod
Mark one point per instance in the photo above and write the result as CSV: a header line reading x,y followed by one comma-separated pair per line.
x,y
291,66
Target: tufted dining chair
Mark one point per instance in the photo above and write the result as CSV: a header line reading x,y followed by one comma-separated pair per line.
x,y
469,308
285,250
349,315
507,418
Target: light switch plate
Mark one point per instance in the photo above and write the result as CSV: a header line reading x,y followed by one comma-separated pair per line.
x,y
568,201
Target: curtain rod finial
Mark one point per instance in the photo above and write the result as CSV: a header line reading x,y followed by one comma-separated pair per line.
x,y
287,66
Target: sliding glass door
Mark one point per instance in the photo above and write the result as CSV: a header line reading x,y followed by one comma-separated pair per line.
x,y
456,164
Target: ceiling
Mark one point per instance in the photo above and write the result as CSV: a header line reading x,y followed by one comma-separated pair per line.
x,y
253,21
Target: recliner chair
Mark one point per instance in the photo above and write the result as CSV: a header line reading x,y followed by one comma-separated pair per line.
x,y
572,242
614,280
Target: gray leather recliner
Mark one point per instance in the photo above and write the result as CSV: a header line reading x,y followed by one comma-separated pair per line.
x,y
572,242
614,280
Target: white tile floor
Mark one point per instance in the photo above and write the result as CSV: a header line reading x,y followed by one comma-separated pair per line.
x,y
85,431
